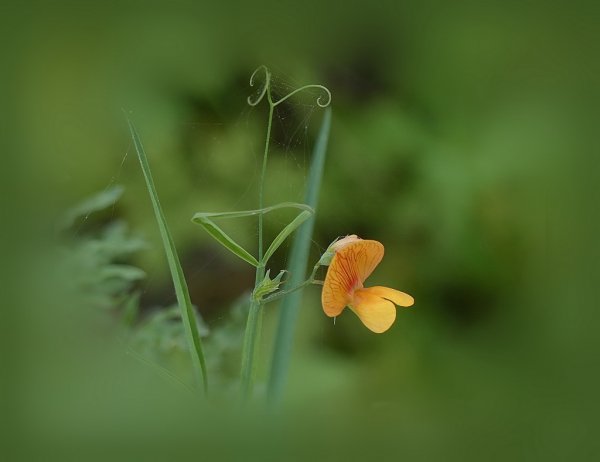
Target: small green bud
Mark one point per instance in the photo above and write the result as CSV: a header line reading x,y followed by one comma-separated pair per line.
x,y
267,285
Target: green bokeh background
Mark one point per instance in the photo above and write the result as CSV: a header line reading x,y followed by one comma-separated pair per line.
x,y
462,139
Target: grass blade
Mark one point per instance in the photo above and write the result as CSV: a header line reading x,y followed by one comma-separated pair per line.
x,y
181,289
297,268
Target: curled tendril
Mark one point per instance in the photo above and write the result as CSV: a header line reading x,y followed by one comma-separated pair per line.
x,y
265,87
322,101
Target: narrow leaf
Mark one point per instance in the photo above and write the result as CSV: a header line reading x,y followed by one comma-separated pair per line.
x,y
204,219
285,232
97,202
247,213
224,239
181,289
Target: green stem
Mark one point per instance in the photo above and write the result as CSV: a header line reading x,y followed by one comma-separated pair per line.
x,y
250,348
252,340
254,322
261,190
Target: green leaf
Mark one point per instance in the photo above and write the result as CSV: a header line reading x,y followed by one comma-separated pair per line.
x,y
181,290
248,213
285,232
204,219
125,272
223,238
95,203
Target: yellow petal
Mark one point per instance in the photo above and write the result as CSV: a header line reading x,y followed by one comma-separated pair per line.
x,y
399,298
375,312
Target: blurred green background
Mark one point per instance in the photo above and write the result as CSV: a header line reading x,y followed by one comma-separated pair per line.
x,y
462,139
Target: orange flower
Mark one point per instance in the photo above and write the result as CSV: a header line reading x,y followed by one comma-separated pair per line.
x,y
353,262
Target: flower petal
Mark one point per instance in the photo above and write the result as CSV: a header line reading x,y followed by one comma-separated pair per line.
x,y
361,257
349,268
375,312
337,289
399,298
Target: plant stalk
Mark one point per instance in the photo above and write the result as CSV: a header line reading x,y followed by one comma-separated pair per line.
x,y
251,345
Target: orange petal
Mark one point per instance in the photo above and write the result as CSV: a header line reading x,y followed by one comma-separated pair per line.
x,y
360,258
337,290
349,267
399,298
375,312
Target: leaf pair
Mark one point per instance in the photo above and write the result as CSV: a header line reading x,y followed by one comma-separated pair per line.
x,y
206,221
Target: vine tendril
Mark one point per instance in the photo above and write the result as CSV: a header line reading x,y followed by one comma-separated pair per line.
x,y
319,102
263,90
322,101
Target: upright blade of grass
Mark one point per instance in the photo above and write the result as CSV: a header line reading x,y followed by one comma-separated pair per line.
x,y
181,289
297,268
